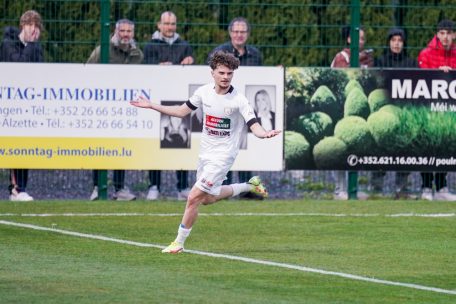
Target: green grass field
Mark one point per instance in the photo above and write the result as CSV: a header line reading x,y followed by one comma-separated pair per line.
x,y
238,252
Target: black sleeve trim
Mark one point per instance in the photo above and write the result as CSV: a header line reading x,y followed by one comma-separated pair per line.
x,y
251,122
190,105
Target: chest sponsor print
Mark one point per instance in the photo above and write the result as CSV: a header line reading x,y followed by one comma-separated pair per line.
x,y
218,123
216,126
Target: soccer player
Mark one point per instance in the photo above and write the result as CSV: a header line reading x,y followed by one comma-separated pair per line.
x,y
225,113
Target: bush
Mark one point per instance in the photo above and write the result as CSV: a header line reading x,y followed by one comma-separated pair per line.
x,y
356,104
297,151
355,133
385,128
391,109
330,153
352,84
315,126
324,100
377,99
302,83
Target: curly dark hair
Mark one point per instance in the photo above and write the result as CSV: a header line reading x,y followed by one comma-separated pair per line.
x,y
223,58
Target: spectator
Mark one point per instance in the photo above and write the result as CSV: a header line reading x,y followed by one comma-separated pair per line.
x,y
239,31
395,56
165,48
122,50
342,60
440,53
22,45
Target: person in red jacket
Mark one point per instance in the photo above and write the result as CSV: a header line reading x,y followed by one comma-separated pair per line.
x,y
440,53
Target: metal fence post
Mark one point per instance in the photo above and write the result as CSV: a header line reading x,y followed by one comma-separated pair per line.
x,y
354,62
104,58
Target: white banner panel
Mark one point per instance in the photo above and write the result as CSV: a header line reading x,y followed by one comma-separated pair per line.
x,y
75,116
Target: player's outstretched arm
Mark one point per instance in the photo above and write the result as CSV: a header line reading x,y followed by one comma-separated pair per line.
x,y
179,111
142,102
260,132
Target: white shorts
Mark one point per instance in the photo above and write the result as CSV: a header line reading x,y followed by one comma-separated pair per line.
x,y
211,174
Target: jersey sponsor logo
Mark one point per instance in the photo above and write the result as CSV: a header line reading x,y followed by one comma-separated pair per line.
x,y
219,133
229,110
218,123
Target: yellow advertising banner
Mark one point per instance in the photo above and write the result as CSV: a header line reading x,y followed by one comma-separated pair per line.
x,y
93,153
79,116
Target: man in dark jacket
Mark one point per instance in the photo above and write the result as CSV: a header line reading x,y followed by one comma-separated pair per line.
x,y
395,56
166,48
122,50
248,55
22,45
239,31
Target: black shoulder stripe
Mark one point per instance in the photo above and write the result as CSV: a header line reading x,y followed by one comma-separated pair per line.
x,y
190,105
251,122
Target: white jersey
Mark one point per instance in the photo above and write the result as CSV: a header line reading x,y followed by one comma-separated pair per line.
x,y
224,117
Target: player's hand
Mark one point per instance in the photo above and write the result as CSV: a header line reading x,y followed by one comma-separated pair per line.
x,y
445,68
141,102
272,133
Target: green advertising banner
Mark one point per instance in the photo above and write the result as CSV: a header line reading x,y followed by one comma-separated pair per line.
x,y
368,119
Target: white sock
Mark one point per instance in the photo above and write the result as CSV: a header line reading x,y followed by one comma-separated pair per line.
x,y
182,234
239,188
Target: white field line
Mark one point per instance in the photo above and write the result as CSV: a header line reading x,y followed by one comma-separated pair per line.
x,y
237,258
438,215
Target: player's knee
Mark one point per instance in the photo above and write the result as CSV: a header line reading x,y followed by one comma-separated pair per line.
x,y
190,197
195,199
192,201
210,199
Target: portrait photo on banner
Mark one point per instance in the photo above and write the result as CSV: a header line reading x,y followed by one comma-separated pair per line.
x,y
196,118
262,98
174,131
